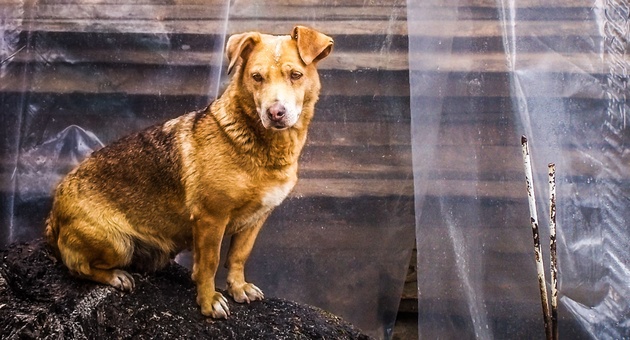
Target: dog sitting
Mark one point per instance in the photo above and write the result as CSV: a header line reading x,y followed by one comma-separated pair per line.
x,y
186,183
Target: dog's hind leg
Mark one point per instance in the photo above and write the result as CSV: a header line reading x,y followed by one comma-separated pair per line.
x,y
116,278
97,260
240,247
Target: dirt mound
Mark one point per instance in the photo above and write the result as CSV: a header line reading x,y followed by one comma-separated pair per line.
x,y
39,299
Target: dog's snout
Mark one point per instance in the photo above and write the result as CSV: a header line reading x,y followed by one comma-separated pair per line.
x,y
276,112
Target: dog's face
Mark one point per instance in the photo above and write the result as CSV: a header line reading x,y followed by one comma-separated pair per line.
x,y
274,75
278,72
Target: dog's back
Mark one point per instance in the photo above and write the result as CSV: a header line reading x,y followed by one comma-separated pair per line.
x,y
139,175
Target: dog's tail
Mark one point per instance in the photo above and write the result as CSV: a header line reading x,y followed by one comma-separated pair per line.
x,y
52,233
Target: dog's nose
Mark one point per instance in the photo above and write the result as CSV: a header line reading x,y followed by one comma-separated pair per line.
x,y
276,112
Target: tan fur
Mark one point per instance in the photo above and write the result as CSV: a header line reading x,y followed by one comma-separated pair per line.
x,y
186,183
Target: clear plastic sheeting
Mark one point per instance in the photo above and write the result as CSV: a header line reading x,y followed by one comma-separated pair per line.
x,y
75,76
40,166
482,74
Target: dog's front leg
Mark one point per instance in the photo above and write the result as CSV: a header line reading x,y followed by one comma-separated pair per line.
x,y
207,235
240,247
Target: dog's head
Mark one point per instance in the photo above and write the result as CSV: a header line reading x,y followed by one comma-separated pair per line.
x,y
278,72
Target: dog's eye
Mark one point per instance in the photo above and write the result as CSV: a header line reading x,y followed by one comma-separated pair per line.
x,y
257,77
295,75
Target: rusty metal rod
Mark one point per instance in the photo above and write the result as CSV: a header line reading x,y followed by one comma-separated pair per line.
x,y
553,251
540,268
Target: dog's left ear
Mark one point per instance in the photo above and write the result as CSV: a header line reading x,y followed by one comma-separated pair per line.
x,y
312,45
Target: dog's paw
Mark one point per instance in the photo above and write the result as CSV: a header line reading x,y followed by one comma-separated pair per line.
x,y
245,292
216,306
122,280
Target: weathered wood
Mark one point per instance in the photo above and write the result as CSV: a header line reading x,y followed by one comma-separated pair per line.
x,y
348,19
472,28
457,29
359,146
347,60
193,81
541,62
190,81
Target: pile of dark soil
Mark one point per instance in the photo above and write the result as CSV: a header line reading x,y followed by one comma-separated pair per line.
x,y
39,299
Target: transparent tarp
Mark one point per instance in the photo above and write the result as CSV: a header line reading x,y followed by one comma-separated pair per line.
x,y
78,75
482,74
451,85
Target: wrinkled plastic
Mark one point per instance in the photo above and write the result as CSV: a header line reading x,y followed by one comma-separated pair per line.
x,y
75,77
482,74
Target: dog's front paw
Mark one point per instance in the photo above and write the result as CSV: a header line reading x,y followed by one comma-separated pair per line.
x,y
245,292
215,305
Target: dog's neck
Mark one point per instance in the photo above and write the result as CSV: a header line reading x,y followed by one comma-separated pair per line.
x,y
269,148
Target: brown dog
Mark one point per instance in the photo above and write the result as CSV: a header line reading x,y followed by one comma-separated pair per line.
x,y
186,183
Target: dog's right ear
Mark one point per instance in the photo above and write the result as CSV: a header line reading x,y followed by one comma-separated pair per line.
x,y
239,46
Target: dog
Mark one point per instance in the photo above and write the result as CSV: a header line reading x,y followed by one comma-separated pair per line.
x,y
188,182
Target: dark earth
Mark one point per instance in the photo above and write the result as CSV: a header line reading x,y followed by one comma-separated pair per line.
x,y
40,299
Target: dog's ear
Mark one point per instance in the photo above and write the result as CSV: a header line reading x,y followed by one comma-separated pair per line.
x,y
239,46
312,45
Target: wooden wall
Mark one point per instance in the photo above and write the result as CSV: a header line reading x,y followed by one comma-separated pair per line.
x,y
117,72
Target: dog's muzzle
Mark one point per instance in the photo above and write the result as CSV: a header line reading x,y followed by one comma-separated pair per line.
x,y
278,117
276,112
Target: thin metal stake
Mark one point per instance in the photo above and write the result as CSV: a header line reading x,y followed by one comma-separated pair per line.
x,y
553,253
540,268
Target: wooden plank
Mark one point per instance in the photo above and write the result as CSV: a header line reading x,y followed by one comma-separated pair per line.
x,y
270,3
181,82
276,9
330,3
345,60
453,172
132,12
340,60
346,188
306,187
493,4
478,188
129,113
359,134
357,162
480,169
378,187
333,20
441,29
490,119
327,187
193,81
217,11
280,26
493,28
541,62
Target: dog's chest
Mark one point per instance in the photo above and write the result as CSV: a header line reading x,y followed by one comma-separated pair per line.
x,y
269,198
274,195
